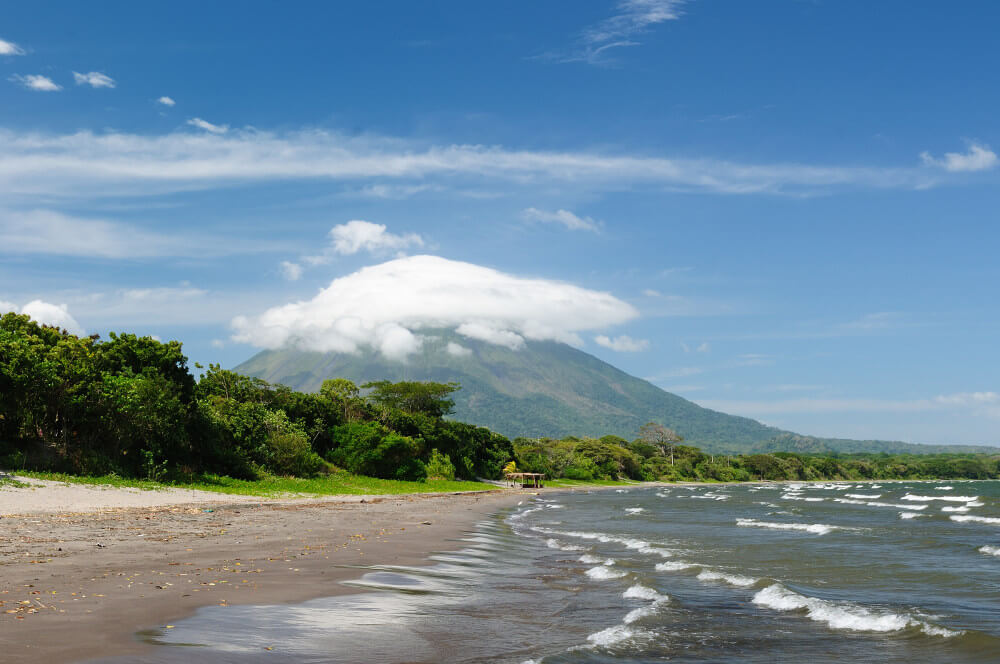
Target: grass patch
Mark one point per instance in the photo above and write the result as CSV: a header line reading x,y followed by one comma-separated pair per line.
x,y
8,481
335,484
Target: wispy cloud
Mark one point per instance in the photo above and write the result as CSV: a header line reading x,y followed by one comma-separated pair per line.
x,y
36,82
562,217
291,271
622,344
166,101
978,158
94,79
208,126
357,235
10,48
48,232
621,30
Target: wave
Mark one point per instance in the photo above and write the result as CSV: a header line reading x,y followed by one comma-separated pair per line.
x,y
612,636
953,499
875,503
731,579
787,496
589,559
909,515
639,545
604,572
639,591
974,503
978,519
674,566
635,510
943,488
990,550
960,508
843,615
553,543
867,496
815,528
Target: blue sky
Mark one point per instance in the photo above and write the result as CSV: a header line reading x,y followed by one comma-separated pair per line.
x,y
781,209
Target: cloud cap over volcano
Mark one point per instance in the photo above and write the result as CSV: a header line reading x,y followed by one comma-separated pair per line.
x,y
381,307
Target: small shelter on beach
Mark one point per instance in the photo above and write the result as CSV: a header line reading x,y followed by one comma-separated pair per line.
x,y
526,480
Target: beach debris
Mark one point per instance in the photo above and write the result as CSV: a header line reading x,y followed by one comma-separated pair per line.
x,y
425,523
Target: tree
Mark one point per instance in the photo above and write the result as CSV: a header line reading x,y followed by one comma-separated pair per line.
x,y
662,437
413,396
344,392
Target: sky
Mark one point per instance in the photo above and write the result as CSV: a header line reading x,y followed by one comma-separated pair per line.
x,y
783,209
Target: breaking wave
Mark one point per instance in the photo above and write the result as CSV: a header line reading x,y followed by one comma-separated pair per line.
x,y
978,519
814,528
731,579
990,550
953,499
843,615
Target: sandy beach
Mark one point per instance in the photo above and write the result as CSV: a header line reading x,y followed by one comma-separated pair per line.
x,y
86,568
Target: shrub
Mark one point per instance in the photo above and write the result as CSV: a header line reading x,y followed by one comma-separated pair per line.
x,y
368,448
440,467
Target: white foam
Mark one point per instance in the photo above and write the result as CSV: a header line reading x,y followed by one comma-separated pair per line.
x,y
589,559
673,566
611,636
954,499
639,545
843,615
960,508
990,550
974,503
640,613
909,515
731,579
634,510
977,519
875,503
639,591
604,572
943,488
621,491
814,528
865,496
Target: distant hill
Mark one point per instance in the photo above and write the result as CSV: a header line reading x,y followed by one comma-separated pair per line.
x,y
550,389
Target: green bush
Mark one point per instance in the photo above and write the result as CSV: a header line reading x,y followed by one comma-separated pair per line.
x,y
368,448
440,467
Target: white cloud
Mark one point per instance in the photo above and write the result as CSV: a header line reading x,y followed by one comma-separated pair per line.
x,y
382,305
458,350
208,126
978,158
6,307
54,233
649,292
36,82
564,217
56,315
622,344
10,48
94,79
357,235
218,343
166,101
291,271
703,347
633,18
88,164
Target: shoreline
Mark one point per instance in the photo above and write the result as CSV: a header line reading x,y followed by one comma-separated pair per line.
x,y
97,579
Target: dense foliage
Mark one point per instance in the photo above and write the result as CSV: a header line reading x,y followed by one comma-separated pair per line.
x,y
612,457
130,406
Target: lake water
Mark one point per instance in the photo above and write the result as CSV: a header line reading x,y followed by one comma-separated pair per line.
x,y
887,572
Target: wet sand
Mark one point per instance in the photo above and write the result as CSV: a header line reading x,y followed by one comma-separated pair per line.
x,y
76,586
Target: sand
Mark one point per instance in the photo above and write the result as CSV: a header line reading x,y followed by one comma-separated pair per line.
x,y
84,569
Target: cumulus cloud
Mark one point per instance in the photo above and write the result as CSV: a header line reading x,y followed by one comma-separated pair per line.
x,y
36,82
85,164
6,307
208,126
10,48
357,235
56,315
622,344
978,158
94,79
381,307
291,271
166,101
458,350
563,217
